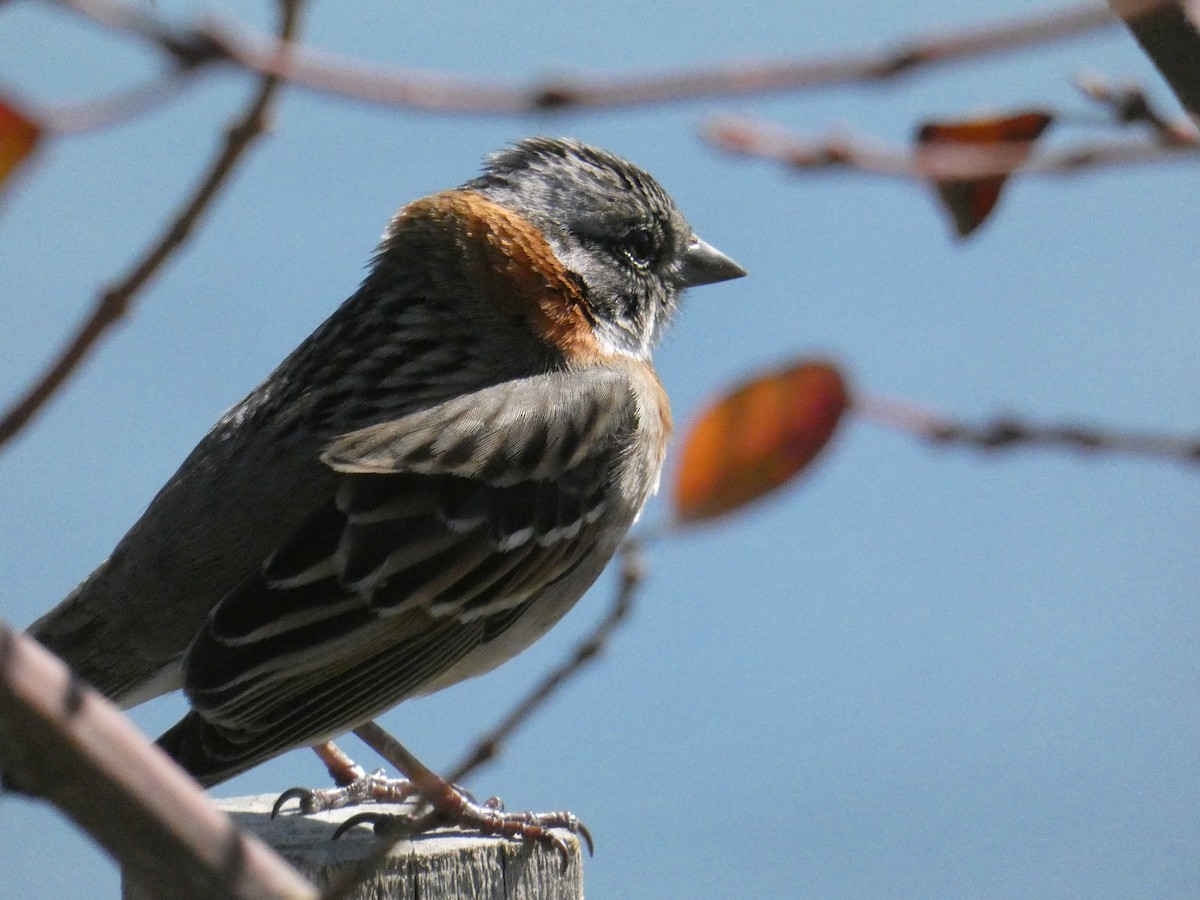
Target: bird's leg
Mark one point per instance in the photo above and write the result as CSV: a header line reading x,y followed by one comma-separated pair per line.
x,y
354,785
455,806
451,804
341,768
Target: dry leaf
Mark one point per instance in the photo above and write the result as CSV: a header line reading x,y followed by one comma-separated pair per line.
x,y
757,438
18,136
971,200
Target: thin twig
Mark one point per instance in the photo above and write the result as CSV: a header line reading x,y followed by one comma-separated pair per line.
x,y
1129,104
764,140
63,120
115,301
632,574
186,48
1007,432
369,864
442,92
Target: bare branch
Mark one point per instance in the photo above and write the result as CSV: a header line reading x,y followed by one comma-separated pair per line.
x,y
764,140
62,741
187,49
1006,432
441,92
1129,104
115,301
94,115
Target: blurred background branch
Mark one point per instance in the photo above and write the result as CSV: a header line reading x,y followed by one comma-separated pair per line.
x,y
113,303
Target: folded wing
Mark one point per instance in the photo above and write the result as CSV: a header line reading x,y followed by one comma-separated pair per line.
x,y
447,525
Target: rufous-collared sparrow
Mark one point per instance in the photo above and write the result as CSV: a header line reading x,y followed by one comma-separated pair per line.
x,y
424,486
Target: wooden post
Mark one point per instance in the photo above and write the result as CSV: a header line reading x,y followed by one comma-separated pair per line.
x,y
442,864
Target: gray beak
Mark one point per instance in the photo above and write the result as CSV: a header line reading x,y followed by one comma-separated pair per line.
x,y
705,264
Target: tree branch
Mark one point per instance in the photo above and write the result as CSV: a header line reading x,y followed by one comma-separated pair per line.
x,y
444,93
1007,432
441,92
60,740
115,301
763,140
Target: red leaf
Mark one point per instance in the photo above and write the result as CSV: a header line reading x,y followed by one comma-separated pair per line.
x,y
971,200
757,438
18,136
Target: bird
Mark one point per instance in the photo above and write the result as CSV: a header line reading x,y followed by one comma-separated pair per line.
x,y
424,486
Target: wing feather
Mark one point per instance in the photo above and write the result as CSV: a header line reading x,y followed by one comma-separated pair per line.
x,y
427,553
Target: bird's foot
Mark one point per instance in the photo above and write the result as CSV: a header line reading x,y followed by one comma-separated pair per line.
x,y
374,787
451,805
455,807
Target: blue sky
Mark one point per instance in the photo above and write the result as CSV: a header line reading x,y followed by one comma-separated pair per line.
x,y
924,672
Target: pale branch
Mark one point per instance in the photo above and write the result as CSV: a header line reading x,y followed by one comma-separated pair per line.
x,y
1009,432
186,48
1129,104
941,162
442,92
67,119
63,742
114,302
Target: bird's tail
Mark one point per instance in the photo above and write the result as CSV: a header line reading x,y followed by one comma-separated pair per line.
x,y
202,752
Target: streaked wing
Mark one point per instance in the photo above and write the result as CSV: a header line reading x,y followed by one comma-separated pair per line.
x,y
427,553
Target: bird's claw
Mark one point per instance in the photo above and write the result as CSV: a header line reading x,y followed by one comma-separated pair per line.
x,y
491,818
374,787
383,824
305,796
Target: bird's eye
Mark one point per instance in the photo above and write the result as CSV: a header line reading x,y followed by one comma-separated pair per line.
x,y
641,247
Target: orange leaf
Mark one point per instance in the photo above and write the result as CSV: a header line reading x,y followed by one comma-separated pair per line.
x,y
18,136
757,438
970,200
